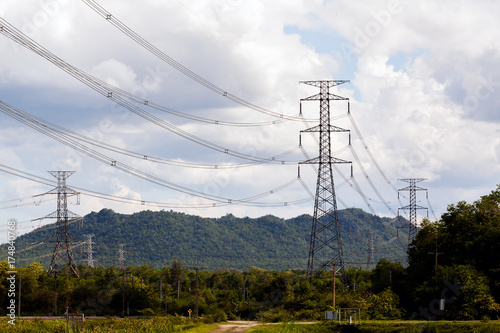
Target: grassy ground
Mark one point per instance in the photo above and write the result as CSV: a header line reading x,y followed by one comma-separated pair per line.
x,y
383,327
159,324
110,325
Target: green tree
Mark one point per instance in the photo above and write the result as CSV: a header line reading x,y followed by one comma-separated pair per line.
x,y
463,289
467,236
384,305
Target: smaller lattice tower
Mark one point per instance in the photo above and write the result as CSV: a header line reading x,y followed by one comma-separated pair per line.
x,y
371,257
62,250
89,261
121,258
412,207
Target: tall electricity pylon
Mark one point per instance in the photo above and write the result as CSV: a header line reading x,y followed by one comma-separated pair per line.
x,y
325,250
412,207
62,250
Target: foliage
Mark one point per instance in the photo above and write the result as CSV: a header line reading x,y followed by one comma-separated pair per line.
x,y
468,239
253,294
384,305
465,279
381,327
239,243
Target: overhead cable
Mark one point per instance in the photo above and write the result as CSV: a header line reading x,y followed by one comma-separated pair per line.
x,y
184,70
103,89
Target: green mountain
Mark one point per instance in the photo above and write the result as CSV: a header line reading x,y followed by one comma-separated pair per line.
x,y
156,238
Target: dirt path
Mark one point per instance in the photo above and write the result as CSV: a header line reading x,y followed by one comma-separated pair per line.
x,y
236,326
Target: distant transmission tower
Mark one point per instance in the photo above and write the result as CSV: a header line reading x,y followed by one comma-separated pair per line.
x,y
62,250
325,250
412,207
371,257
121,258
88,249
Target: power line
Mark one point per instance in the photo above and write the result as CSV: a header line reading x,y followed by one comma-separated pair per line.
x,y
167,59
27,117
110,94
160,204
103,89
58,136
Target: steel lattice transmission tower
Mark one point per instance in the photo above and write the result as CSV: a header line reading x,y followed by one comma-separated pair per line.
x,y
371,257
62,249
412,207
121,258
325,250
88,249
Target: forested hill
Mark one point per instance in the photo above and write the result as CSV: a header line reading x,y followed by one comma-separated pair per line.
x,y
269,242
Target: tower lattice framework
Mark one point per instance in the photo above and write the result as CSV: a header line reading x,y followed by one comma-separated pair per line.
x,y
89,250
371,257
325,250
62,250
412,207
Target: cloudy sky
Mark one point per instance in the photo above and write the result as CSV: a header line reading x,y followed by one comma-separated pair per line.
x,y
424,93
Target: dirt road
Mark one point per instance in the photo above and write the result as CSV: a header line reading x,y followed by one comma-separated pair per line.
x,y
235,326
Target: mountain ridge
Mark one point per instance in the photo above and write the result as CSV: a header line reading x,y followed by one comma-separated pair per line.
x,y
155,238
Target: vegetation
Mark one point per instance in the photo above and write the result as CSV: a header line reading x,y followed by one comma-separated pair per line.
x,y
156,238
381,327
172,325
468,270
465,281
127,325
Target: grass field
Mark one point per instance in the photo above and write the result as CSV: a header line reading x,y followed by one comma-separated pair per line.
x,y
171,325
118,325
383,327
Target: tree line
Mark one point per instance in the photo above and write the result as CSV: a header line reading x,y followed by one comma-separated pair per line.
x,y
453,273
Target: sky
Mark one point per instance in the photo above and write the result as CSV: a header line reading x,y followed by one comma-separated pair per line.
x,y
423,91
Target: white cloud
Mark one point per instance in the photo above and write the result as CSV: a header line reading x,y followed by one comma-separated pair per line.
x,y
423,91
115,73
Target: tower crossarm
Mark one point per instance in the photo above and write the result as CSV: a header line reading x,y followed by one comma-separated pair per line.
x,y
329,83
332,160
407,207
321,96
329,128
412,188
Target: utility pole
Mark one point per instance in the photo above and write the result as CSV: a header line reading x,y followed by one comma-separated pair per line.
x,y
197,315
334,274
166,300
412,207
436,253
197,268
64,217
121,266
244,288
20,285
55,290
325,249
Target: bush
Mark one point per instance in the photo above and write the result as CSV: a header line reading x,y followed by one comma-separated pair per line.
x,y
216,317
275,315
